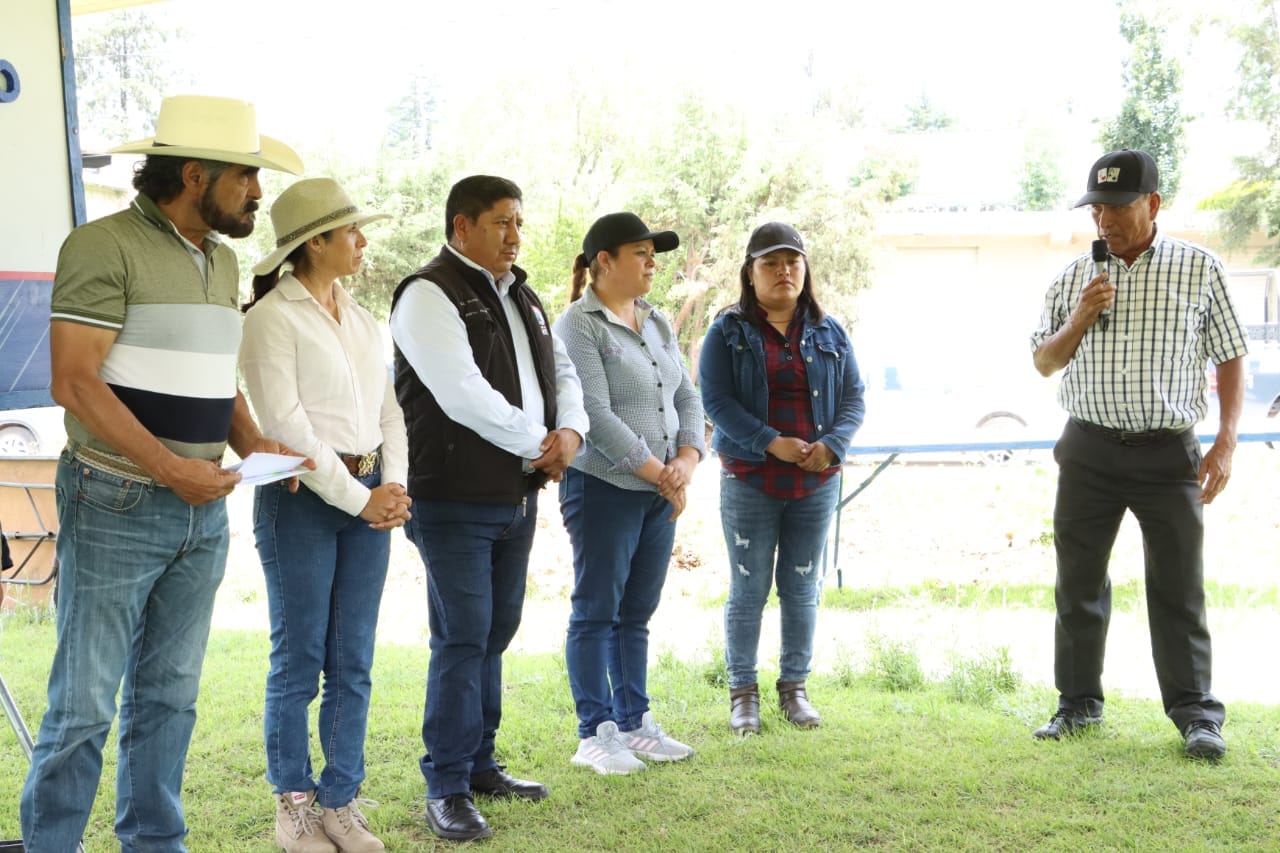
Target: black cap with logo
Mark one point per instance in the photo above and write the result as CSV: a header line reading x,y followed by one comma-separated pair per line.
x,y
1121,177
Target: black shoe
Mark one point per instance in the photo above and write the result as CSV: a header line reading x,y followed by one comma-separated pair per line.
x,y
1067,722
456,818
1204,740
496,783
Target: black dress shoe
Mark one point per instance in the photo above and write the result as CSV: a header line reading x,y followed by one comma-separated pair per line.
x,y
496,783
1204,740
456,818
1067,722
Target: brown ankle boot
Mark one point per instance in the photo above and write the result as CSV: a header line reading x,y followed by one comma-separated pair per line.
x,y
794,702
744,709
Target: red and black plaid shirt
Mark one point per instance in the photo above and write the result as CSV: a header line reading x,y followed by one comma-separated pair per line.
x,y
790,413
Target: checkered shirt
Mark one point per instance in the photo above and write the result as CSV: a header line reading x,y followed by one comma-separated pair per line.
x,y
1146,370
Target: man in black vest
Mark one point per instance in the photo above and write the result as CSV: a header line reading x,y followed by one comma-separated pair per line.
x,y
494,411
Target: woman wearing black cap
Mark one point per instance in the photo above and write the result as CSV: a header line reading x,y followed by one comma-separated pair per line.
x,y
621,497
781,385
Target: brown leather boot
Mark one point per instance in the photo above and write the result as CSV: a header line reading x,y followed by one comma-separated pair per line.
x,y
744,709
794,702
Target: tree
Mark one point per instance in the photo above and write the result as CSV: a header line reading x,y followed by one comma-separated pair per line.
x,y
712,183
1040,185
695,187
414,196
122,72
888,175
1151,115
924,117
413,118
843,103
1251,203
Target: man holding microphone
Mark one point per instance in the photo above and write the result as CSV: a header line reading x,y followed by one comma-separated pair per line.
x,y
1133,341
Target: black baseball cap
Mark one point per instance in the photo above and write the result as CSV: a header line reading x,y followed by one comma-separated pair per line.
x,y
1121,177
614,229
773,236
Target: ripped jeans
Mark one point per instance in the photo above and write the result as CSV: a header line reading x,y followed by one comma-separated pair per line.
x,y
757,529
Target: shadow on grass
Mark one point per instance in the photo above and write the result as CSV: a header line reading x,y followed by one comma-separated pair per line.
x,y
920,768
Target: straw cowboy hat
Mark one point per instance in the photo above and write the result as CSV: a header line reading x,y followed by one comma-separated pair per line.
x,y
309,207
204,127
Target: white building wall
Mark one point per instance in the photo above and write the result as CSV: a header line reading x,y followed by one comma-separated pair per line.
x,y
36,211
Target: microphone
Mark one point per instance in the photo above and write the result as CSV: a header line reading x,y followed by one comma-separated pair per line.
x,y
1100,262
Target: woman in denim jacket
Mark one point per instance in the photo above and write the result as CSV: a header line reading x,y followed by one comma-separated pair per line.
x,y
780,383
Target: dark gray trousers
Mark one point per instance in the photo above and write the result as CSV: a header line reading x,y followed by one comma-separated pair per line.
x,y
1098,480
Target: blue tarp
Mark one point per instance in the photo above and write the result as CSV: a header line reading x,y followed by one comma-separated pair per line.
x,y
24,341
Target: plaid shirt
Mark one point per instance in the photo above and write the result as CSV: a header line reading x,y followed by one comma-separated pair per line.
x,y
639,397
1146,370
791,413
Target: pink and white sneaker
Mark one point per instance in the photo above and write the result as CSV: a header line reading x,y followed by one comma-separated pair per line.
x,y
648,741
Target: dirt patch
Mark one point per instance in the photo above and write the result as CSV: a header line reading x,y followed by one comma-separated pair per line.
x,y
940,524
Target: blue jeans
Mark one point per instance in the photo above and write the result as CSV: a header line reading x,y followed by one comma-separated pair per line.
x,y
138,569
757,528
477,559
621,548
325,571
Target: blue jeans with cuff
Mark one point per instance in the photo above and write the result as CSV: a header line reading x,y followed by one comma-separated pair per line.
x,y
772,539
325,571
138,569
622,543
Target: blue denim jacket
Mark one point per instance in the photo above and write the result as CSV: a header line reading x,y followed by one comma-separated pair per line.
x,y
731,376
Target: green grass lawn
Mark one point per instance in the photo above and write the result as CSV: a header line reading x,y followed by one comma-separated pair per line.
x,y
942,765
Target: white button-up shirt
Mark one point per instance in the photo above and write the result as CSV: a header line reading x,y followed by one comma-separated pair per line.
x,y
322,387
430,333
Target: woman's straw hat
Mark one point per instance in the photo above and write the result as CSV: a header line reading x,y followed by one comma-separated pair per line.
x,y
309,207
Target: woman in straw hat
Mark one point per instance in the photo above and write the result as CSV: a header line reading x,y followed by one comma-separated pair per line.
x,y
313,365
622,494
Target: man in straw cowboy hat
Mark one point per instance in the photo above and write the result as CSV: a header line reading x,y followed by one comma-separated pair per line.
x,y
143,337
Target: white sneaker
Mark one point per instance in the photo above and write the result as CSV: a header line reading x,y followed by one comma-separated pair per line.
x,y
298,827
605,752
649,741
348,828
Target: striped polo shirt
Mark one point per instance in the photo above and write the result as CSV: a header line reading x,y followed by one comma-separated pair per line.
x,y
173,307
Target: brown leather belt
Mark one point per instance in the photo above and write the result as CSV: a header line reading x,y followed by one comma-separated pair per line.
x,y
1131,439
361,464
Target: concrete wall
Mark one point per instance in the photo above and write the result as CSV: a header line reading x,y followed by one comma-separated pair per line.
x,y
36,208
961,289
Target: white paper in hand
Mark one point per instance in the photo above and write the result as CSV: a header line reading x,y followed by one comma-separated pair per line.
x,y
260,468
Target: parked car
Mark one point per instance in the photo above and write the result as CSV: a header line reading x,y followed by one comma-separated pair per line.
x,y
931,402
1256,294
1262,381
1261,394
32,432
